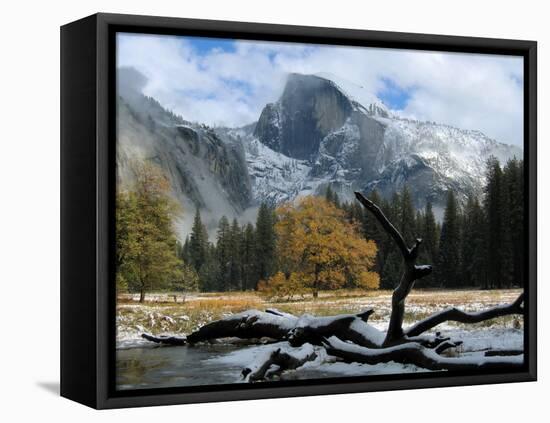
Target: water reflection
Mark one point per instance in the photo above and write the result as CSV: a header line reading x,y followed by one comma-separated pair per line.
x,y
158,367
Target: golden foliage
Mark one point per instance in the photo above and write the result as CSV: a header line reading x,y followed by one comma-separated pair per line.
x,y
279,287
318,248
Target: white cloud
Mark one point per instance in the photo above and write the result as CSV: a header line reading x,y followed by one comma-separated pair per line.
x,y
469,91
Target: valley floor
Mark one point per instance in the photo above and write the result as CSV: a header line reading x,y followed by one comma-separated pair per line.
x,y
141,364
160,314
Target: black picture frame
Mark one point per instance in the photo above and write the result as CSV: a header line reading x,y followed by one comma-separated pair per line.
x,y
87,207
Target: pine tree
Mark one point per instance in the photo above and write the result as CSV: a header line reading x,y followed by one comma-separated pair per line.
x,y
184,251
519,228
392,260
198,242
473,264
407,223
448,263
247,257
493,209
418,221
391,270
430,240
209,275
265,243
235,260
223,254
513,242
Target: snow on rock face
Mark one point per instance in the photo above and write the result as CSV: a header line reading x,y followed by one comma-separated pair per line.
x,y
433,158
322,131
325,130
363,99
275,177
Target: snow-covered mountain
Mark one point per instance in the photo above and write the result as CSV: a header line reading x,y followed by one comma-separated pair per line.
x,y
204,171
322,131
325,131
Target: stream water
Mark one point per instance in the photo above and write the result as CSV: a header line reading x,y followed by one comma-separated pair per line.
x,y
161,366
147,365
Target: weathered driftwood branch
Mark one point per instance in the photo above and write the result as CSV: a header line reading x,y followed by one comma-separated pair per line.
x,y
411,273
166,340
280,326
278,360
310,329
254,324
493,353
418,355
386,224
457,315
251,324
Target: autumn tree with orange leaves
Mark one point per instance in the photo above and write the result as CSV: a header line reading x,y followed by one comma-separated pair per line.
x,y
317,248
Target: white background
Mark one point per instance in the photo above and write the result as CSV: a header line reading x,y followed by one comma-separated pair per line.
x,y
29,209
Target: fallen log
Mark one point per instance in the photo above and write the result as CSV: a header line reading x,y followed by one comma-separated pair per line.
x,y
250,324
313,329
418,355
255,324
457,315
278,360
166,340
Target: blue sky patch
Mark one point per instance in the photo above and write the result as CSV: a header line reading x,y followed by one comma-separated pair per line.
x,y
204,46
393,95
245,88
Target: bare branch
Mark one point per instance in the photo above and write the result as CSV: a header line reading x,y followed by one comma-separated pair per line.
x,y
386,224
411,273
445,345
493,353
279,313
414,353
278,360
166,340
456,315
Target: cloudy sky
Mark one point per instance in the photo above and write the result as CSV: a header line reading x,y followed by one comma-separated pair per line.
x,y
227,82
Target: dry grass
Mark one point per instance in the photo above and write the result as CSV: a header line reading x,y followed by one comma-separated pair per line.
x,y
160,314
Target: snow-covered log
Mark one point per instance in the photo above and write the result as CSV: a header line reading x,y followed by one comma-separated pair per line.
x,y
254,324
457,315
418,355
250,324
313,329
167,340
279,326
278,360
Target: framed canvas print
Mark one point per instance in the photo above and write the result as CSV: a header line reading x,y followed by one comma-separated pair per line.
x,y
256,211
